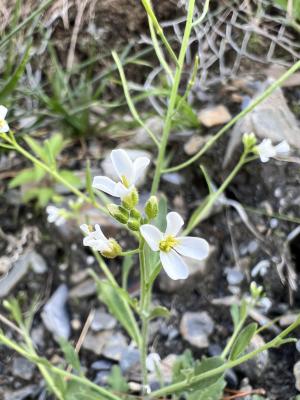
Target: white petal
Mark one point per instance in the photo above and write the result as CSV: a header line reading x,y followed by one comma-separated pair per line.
x,y
152,362
3,112
85,228
266,150
282,148
122,164
122,191
174,223
174,265
152,235
192,247
105,184
4,128
99,234
139,166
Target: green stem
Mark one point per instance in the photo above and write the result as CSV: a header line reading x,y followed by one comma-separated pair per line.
x,y
55,174
129,252
186,384
234,336
213,197
158,29
144,307
225,128
173,98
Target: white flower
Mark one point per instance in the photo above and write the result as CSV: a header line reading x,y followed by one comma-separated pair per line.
x,y
3,124
128,171
55,215
173,247
153,362
267,150
95,239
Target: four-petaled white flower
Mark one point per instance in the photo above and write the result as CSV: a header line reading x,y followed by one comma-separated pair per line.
x,y
3,124
95,239
55,215
267,150
153,362
172,247
128,171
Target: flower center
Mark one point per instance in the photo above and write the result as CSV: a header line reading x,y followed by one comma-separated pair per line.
x,y
2,122
167,243
125,182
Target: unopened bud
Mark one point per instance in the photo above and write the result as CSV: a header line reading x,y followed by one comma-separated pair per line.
x,y
134,224
131,200
119,213
134,213
114,251
249,141
151,207
256,291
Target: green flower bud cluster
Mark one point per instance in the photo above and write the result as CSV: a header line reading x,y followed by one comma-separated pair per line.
x,y
128,215
249,142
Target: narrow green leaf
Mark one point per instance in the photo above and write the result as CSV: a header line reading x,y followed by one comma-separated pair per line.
x,y
14,79
235,314
56,144
126,267
70,354
116,380
243,340
119,307
70,177
159,311
23,177
36,147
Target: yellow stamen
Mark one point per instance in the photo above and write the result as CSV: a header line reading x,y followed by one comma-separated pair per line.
x,y
2,122
125,182
167,243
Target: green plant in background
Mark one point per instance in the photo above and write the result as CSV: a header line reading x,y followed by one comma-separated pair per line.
x,y
158,244
40,184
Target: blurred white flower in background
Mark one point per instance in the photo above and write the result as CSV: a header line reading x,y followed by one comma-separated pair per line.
x,y
267,150
173,247
129,172
3,124
55,215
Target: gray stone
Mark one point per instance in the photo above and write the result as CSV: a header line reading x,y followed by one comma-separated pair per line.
x,y
214,116
103,321
195,143
22,394
196,327
55,316
296,371
271,119
95,342
102,365
20,269
174,178
114,347
254,368
23,368
234,276
130,360
84,289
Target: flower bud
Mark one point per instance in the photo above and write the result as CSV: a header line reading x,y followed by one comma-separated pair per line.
x,y
151,207
119,213
134,213
131,200
134,224
249,141
256,291
114,251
